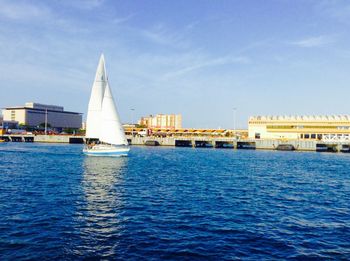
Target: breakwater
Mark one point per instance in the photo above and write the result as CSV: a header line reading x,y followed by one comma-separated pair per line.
x,y
232,143
199,142
43,138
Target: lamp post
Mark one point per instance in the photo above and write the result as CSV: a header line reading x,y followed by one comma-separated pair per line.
x,y
132,118
234,121
46,122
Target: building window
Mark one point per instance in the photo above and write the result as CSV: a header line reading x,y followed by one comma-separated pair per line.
x,y
257,135
319,136
13,115
307,136
313,136
301,136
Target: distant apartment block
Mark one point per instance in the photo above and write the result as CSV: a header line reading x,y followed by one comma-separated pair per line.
x,y
33,114
162,121
299,127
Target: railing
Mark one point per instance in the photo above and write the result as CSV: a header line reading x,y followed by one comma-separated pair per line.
x,y
336,138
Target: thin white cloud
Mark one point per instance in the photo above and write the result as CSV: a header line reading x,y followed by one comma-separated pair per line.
x,y
86,4
22,10
207,63
338,9
314,41
192,25
121,20
48,17
162,36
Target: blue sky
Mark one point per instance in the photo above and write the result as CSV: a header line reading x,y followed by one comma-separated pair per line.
x,y
199,58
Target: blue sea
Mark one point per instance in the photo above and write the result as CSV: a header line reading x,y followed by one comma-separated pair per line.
x,y
172,203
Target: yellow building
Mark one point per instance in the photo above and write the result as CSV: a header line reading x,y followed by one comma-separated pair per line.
x,y
334,127
162,121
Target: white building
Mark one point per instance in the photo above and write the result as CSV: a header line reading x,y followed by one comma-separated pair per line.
x,y
33,114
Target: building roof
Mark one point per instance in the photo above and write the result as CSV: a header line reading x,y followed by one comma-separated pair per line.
x,y
36,105
43,110
301,118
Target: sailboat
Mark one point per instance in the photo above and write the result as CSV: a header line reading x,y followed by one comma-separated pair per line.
x,y
105,135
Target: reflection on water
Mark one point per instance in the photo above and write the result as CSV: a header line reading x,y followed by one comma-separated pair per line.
x,y
103,192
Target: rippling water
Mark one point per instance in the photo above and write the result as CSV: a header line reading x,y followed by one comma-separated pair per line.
x,y
172,203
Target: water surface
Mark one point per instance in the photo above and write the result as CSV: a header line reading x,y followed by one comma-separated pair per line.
x,y
172,203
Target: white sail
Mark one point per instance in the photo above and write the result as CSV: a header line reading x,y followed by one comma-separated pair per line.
x,y
93,119
112,131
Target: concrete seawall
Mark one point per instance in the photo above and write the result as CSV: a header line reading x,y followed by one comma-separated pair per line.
x,y
199,142
297,144
51,139
231,143
44,138
166,141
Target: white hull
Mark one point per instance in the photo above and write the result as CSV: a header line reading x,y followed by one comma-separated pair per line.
x,y
107,150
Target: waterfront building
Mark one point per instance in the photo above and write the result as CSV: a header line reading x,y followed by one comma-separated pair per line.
x,y
5,125
35,114
332,127
162,121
